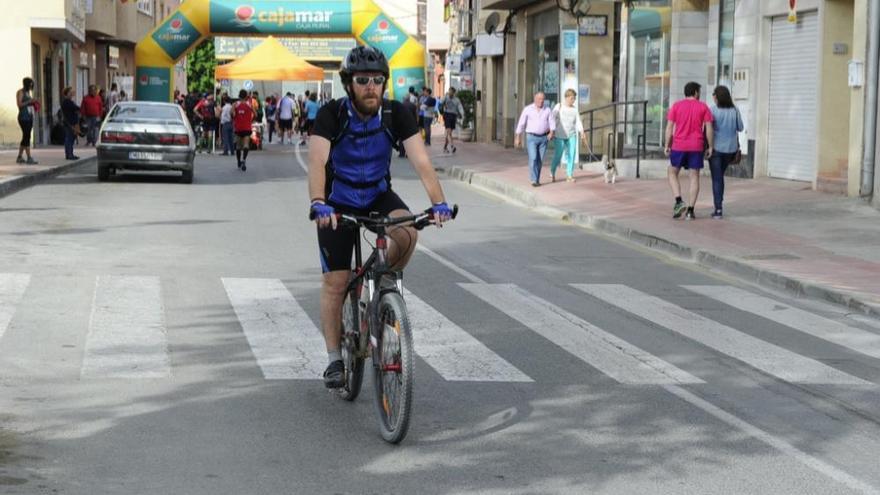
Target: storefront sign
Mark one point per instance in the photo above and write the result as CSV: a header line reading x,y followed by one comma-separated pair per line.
x,y
384,35
113,56
404,78
453,63
490,45
83,58
153,83
281,17
593,25
228,47
175,35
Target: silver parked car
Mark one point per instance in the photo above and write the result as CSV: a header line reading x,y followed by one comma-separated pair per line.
x,y
146,135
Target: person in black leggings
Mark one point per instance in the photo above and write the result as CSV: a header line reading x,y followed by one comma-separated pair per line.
x,y
26,108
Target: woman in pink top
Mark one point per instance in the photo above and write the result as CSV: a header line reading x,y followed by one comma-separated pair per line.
x,y
686,147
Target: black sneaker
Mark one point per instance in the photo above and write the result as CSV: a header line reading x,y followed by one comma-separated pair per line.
x,y
678,209
243,166
334,375
690,214
717,215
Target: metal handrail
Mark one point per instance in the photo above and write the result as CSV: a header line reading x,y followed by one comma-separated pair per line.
x,y
641,139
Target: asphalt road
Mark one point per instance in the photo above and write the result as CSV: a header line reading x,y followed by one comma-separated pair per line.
x,y
157,337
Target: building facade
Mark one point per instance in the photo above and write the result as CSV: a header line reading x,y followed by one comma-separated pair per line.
x,y
76,43
521,47
788,77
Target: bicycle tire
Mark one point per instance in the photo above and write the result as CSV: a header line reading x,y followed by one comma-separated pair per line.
x,y
394,388
354,362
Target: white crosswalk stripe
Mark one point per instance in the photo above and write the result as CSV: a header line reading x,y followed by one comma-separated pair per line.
x,y
613,356
451,351
856,339
285,342
762,355
126,330
12,287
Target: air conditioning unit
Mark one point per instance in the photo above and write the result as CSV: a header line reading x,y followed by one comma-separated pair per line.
x,y
465,26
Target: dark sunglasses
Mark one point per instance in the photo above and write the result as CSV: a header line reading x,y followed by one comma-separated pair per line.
x,y
364,80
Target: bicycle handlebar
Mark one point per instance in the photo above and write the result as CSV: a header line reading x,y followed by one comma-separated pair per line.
x,y
419,220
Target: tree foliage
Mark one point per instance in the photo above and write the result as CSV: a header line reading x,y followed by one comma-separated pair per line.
x,y
200,64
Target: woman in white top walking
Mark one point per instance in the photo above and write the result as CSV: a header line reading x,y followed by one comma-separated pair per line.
x,y
568,128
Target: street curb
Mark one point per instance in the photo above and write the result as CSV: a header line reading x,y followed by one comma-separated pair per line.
x,y
15,183
727,265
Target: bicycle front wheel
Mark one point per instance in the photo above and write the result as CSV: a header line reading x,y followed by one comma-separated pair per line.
x,y
351,356
393,371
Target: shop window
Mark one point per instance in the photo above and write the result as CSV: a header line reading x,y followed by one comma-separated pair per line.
x,y
649,27
544,56
725,43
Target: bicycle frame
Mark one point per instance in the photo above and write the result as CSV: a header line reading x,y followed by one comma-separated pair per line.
x,y
372,270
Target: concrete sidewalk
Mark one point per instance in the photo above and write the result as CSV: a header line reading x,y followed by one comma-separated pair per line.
x,y
776,233
14,177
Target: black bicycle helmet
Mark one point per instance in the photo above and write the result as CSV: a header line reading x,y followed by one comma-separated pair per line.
x,y
363,59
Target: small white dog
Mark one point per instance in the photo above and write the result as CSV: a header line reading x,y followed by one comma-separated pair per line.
x,y
610,170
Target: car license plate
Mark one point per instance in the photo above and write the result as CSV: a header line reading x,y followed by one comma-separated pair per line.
x,y
144,155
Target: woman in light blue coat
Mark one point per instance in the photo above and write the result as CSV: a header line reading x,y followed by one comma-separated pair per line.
x,y
727,122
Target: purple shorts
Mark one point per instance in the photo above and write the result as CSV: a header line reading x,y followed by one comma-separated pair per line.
x,y
687,159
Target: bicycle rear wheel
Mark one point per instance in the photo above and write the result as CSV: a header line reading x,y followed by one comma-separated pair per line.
x,y
393,371
354,362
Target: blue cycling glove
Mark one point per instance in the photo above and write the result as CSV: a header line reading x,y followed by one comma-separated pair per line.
x,y
322,210
441,210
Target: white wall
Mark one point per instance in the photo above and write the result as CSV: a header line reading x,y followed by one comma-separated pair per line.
x,y
438,31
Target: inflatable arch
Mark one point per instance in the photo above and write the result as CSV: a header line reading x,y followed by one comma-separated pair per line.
x,y
194,20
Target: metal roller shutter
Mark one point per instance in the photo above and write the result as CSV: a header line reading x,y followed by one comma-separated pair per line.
x,y
794,79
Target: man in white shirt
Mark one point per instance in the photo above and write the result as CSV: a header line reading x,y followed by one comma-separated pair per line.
x,y
285,117
226,127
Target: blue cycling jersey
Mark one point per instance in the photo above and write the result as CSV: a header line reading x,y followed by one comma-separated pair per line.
x,y
360,161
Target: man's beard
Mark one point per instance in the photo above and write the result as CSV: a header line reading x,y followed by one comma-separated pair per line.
x,y
367,106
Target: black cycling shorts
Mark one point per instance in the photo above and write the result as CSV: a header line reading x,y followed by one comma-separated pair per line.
x,y
336,246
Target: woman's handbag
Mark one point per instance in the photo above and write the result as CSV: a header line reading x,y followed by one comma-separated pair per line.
x,y
737,157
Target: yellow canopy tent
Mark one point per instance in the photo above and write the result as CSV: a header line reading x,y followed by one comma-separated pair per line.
x,y
270,61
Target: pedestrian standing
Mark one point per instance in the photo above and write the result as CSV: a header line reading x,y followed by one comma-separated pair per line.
x,y
92,108
452,112
311,113
686,147
428,106
226,131
70,119
410,104
422,96
271,109
242,119
726,123
538,124
206,109
113,97
27,107
568,128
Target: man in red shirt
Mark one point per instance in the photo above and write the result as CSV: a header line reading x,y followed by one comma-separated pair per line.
x,y
92,109
242,118
686,146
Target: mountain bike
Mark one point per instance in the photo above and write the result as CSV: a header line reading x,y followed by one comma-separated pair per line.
x,y
375,325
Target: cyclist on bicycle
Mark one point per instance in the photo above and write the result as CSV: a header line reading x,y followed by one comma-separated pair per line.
x,y
349,172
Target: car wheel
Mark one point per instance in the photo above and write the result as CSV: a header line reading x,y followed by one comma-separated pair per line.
x,y
103,172
187,177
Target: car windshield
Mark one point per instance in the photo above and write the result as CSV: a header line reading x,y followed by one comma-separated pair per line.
x,y
145,112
